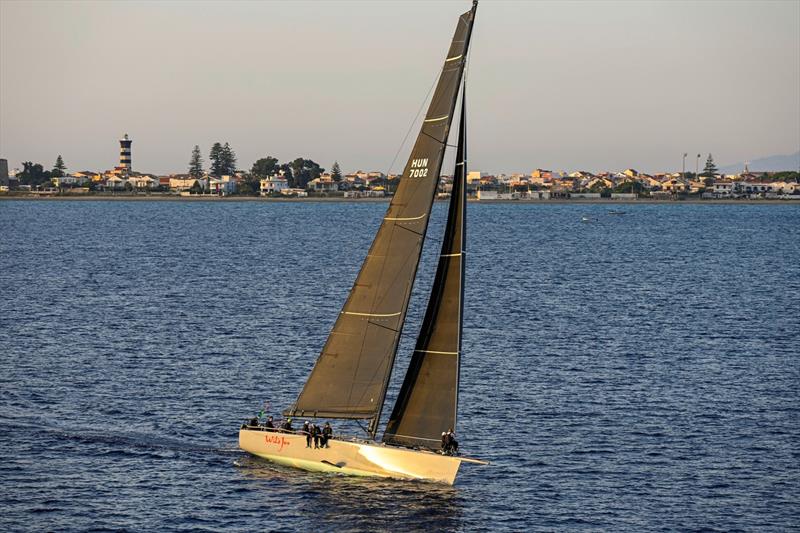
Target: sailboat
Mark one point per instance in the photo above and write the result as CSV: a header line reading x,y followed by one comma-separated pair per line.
x,y
351,375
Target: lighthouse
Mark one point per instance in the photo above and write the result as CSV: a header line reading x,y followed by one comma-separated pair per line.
x,y
125,153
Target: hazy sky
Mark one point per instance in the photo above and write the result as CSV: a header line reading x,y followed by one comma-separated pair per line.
x,y
559,85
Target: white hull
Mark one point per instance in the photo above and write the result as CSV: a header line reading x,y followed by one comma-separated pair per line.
x,y
350,457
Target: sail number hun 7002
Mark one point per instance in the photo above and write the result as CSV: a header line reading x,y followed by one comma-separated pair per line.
x,y
419,168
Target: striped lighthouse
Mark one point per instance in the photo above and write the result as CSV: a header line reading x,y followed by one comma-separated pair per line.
x,y
125,153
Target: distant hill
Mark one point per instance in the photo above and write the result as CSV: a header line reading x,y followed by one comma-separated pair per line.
x,y
773,163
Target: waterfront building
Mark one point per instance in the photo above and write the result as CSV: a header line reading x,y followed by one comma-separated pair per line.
x,y
696,186
649,182
723,188
598,182
273,185
185,184
580,174
322,184
352,181
69,181
143,182
115,183
541,176
474,176
222,186
675,185
375,176
89,175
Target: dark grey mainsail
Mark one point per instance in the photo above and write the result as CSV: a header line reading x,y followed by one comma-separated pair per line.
x,y
428,401
350,377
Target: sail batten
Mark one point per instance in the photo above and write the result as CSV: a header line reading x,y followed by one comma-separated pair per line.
x,y
350,377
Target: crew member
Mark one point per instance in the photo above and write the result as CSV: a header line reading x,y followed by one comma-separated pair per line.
x,y
307,432
287,425
453,443
316,433
327,434
268,424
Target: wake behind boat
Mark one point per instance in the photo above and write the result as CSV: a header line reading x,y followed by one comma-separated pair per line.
x,y
351,376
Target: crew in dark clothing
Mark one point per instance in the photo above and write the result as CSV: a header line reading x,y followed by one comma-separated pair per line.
x,y
253,422
287,425
269,424
316,433
449,443
327,434
307,432
453,443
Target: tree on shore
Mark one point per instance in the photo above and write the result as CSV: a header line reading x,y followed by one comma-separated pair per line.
x,y
336,172
59,168
710,170
214,156
196,163
265,167
304,170
223,160
33,174
287,173
228,160
787,175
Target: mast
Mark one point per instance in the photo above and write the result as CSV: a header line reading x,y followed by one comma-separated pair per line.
x,y
428,401
351,375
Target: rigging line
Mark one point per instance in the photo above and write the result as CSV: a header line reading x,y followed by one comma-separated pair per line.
x,y
411,126
426,134
380,326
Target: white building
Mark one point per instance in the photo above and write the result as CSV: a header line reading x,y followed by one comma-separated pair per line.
x,y
273,185
723,189
116,183
143,182
68,181
221,186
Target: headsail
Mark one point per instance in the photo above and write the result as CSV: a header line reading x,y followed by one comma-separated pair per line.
x,y
350,377
428,400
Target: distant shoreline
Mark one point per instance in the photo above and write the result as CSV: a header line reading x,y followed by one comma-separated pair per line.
x,y
583,201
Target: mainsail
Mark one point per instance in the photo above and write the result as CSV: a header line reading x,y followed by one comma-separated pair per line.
x,y
428,400
350,377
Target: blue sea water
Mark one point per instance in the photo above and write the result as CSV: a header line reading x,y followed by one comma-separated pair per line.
x,y
633,372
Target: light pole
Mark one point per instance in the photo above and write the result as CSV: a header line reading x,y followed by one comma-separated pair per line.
x,y
697,168
683,167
